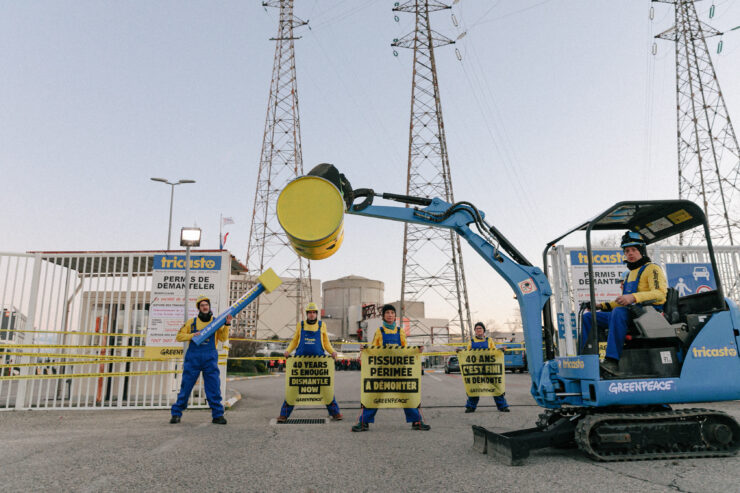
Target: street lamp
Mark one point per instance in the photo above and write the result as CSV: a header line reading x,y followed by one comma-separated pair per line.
x,y
189,237
172,198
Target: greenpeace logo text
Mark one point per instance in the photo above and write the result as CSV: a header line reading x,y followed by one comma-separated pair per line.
x,y
643,386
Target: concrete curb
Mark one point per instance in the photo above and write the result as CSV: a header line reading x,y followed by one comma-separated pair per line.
x,y
236,379
229,403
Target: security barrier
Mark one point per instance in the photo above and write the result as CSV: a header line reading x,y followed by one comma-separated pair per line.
x,y
72,334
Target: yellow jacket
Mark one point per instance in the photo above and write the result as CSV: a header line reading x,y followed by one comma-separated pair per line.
x,y
378,338
491,344
653,286
185,333
310,328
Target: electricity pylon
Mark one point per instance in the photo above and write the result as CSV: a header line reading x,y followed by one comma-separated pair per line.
x,y
281,161
424,270
708,152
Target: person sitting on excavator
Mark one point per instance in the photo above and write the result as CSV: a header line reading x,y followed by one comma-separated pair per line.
x,y
645,283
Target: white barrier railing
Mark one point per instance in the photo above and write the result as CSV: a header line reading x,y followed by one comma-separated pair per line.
x,y
73,333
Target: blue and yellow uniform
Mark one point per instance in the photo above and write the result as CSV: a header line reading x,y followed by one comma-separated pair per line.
x,y
393,336
201,358
500,400
645,283
310,340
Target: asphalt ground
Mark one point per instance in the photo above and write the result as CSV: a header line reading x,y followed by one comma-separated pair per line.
x,y
139,450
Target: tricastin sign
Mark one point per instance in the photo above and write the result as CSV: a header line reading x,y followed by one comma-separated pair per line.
x,y
168,290
608,266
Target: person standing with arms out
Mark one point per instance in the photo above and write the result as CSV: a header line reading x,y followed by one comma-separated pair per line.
x,y
201,358
480,341
310,339
389,334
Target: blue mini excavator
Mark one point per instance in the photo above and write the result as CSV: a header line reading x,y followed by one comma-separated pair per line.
x,y
688,353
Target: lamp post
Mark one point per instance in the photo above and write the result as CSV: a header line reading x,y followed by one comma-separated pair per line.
x,y
172,199
189,237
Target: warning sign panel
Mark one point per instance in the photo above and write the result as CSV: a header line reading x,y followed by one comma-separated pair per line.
x,y
391,377
482,371
309,380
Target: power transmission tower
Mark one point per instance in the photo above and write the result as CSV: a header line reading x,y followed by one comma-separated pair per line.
x,y
280,161
432,257
708,152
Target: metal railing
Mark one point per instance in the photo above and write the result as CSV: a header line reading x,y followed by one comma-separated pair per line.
x,y
73,333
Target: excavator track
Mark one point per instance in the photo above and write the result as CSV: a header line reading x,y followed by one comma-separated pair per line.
x,y
675,434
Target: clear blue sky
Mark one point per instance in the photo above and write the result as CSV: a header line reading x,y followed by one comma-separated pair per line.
x,y
557,110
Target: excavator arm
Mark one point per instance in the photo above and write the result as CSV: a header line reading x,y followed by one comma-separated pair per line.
x,y
528,282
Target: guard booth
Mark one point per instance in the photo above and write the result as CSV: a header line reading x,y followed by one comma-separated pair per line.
x,y
687,269
79,325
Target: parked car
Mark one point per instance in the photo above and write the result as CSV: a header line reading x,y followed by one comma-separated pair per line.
x,y
452,365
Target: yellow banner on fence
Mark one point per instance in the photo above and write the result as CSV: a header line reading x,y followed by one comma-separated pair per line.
x,y
164,352
391,377
309,380
482,371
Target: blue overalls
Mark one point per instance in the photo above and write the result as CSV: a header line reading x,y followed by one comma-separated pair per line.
x,y
200,358
310,345
412,413
616,320
500,400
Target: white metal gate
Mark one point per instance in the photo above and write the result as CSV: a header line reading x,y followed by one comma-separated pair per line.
x,y
73,331
563,299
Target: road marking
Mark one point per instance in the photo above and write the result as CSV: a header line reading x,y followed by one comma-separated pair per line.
x,y
436,378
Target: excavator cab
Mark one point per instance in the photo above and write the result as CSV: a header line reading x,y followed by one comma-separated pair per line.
x,y
658,339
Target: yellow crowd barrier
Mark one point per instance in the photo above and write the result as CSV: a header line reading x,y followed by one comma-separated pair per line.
x,y
72,333
64,346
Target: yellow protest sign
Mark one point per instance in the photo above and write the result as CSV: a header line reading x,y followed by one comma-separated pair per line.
x,y
482,371
391,377
309,380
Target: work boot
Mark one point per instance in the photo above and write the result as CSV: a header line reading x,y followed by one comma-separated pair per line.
x,y
337,417
610,368
469,410
174,420
360,427
420,425
219,421
282,419
504,410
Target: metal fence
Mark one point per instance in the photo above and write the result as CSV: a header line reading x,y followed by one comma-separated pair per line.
x,y
563,300
73,331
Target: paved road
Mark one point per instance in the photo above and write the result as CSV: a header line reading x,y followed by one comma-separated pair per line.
x,y
139,450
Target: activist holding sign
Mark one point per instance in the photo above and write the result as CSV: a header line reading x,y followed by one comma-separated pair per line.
x,y
310,339
389,335
201,358
645,283
480,341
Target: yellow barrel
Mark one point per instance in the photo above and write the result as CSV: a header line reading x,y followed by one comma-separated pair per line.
x,y
311,211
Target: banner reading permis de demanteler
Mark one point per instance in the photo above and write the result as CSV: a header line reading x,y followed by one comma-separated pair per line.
x,y
309,380
391,377
608,266
168,298
482,371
